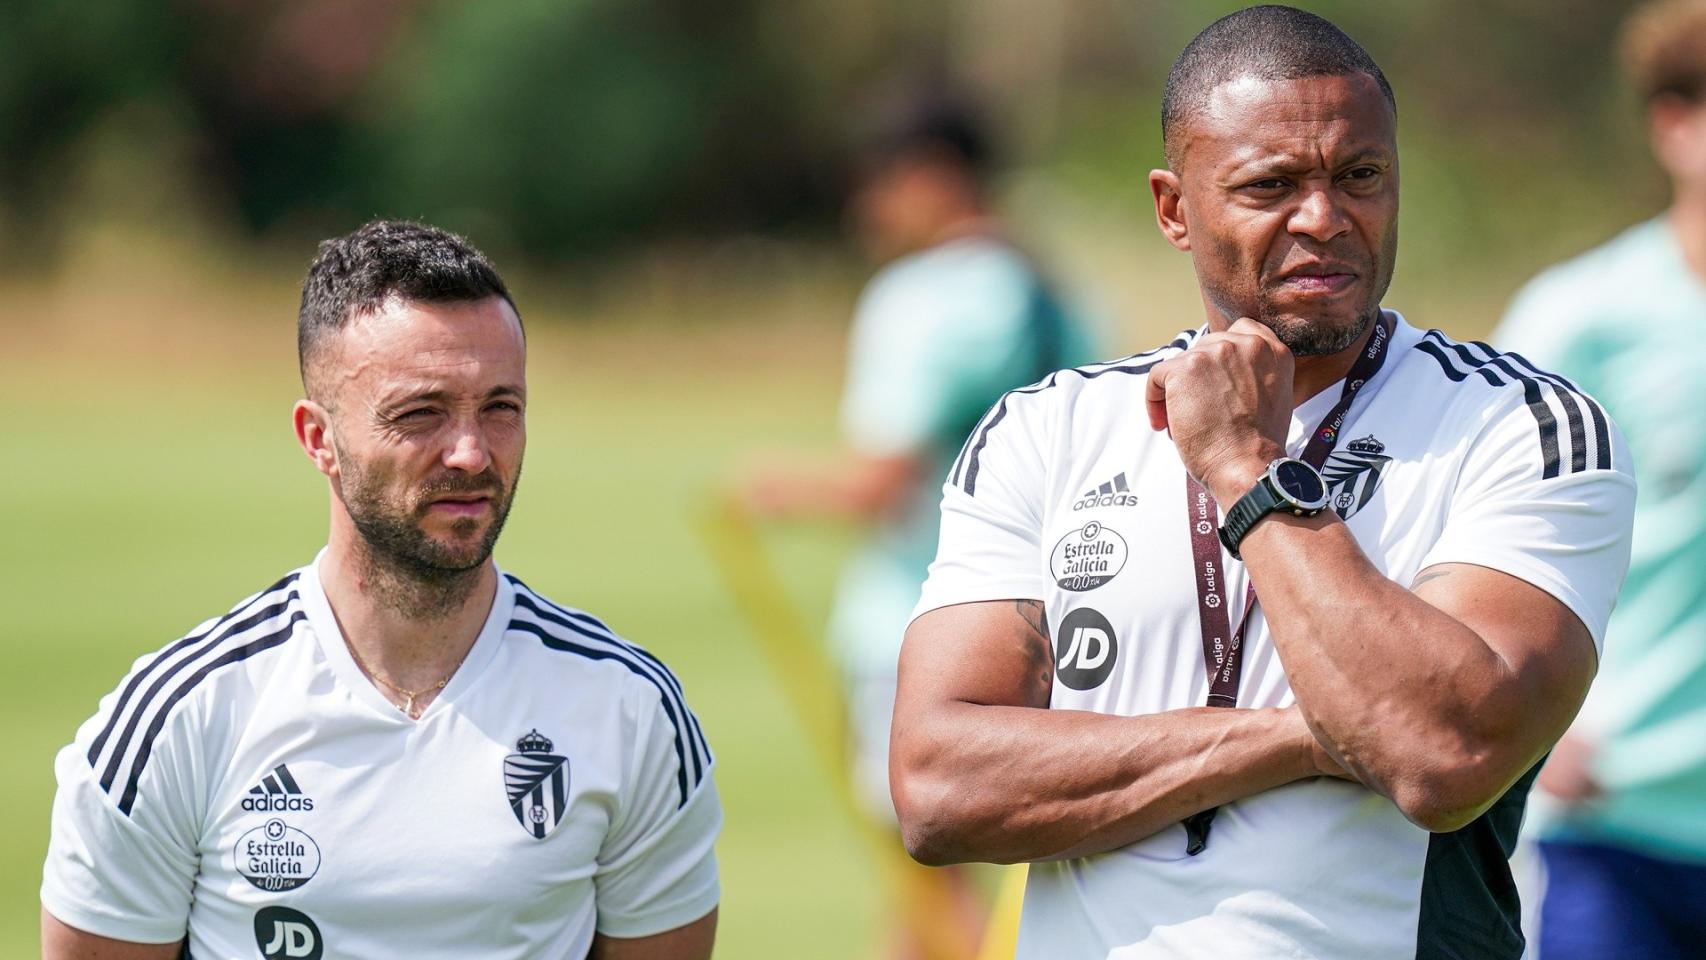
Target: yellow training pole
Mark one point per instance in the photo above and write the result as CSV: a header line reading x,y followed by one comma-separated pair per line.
x,y
1001,937
811,684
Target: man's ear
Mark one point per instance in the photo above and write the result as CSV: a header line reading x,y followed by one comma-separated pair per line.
x,y
313,424
1170,208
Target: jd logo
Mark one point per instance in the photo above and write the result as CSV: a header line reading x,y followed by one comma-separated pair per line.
x,y
1085,649
281,932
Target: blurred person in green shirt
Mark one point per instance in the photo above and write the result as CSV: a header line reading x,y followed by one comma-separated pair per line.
x,y
1620,813
958,314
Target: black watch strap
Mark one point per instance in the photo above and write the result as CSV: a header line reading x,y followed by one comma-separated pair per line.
x,y
1262,500
1266,497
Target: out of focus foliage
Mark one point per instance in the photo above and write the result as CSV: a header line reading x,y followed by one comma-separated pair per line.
x,y
563,127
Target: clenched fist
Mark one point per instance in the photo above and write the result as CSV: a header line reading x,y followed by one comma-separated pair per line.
x,y
1227,404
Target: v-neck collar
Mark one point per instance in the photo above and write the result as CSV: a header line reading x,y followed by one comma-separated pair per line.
x,y
350,674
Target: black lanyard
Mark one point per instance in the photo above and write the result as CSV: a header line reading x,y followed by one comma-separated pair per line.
x,y
1223,647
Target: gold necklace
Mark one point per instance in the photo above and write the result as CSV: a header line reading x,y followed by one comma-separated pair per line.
x,y
408,706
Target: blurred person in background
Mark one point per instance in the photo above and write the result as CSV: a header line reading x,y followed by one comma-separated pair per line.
x,y
1620,813
958,314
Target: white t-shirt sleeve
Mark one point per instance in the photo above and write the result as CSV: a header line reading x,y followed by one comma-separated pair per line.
x,y
657,869
1568,534
992,513
127,876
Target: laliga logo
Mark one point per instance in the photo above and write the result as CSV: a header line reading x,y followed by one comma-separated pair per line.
x,y
1213,600
1204,527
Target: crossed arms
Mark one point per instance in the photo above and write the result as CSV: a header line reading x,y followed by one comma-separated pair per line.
x,y
1438,696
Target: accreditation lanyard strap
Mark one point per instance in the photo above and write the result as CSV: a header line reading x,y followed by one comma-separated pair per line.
x,y
1223,647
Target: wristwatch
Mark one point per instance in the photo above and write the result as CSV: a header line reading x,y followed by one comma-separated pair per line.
x,y
1289,485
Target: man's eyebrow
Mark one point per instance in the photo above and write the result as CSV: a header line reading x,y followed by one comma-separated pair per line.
x,y
1366,155
1282,162
440,395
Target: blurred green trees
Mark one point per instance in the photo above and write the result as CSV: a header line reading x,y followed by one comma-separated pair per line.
x,y
563,127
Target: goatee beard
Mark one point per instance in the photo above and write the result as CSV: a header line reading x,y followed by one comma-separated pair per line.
x,y
1307,338
406,570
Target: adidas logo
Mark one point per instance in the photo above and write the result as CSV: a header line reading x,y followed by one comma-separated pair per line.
x,y
277,791
1114,493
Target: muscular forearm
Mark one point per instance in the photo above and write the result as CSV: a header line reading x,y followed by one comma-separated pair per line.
x,y
1410,700
1008,784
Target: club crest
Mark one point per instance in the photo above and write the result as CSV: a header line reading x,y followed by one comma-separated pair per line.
x,y
537,781
1353,475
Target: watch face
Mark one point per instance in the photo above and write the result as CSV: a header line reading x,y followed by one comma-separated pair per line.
x,y
1299,482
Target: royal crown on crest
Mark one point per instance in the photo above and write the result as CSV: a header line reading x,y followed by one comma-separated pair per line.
x,y
534,742
1367,445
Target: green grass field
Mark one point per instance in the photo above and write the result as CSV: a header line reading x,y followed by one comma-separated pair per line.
x,y
153,481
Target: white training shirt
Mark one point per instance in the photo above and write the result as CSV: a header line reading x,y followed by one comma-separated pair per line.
x,y
1452,453
248,785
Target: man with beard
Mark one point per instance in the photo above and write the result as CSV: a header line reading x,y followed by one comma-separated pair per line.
x,y
1288,699
397,750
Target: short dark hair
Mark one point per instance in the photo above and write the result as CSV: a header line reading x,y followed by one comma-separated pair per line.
x,y
1268,42
945,122
357,273
1664,50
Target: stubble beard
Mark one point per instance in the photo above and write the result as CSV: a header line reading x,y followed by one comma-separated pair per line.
x,y
408,571
1306,337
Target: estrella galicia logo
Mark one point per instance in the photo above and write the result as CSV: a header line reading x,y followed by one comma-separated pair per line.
x,y
1085,649
1087,557
276,857
283,933
537,781
1353,475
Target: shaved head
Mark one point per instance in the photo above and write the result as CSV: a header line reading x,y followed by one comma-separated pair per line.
x,y
1264,43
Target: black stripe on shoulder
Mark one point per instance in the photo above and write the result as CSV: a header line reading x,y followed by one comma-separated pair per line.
x,y
233,655
591,628
1566,399
1450,353
692,753
216,626
1566,389
254,614
1136,364
971,439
